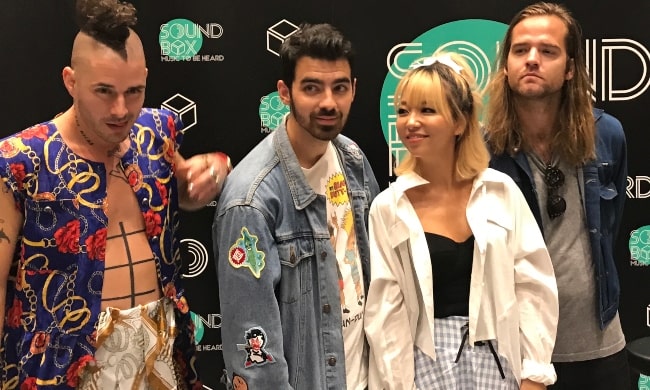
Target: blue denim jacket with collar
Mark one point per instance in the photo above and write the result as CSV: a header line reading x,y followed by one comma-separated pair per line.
x,y
277,270
605,180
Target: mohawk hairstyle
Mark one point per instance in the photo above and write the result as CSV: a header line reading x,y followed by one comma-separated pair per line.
x,y
107,21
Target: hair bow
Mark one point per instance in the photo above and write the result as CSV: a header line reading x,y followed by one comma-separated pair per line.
x,y
444,59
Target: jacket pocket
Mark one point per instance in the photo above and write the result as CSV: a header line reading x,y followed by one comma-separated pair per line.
x,y
296,258
605,177
608,191
608,194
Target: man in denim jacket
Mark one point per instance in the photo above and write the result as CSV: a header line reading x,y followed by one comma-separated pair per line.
x,y
570,162
290,234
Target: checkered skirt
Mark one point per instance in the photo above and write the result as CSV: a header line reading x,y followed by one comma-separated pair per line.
x,y
476,369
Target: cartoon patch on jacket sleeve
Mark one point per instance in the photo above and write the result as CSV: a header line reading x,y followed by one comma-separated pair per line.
x,y
244,253
254,347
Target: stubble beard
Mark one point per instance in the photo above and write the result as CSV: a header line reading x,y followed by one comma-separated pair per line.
x,y
98,131
323,133
527,93
535,92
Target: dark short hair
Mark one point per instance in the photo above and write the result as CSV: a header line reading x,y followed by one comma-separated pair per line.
x,y
321,41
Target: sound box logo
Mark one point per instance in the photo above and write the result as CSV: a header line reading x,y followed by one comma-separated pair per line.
x,y
628,54
182,39
201,323
271,111
638,187
639,245
477,40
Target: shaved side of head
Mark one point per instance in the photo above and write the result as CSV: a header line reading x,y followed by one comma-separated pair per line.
x,y
106,24
106,78
107,21
85,47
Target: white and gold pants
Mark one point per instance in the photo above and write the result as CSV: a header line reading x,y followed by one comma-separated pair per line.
x,y
134,349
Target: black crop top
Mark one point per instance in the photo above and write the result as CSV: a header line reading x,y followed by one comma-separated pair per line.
x,y
451,263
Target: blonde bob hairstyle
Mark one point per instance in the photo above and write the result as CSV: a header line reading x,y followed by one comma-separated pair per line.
x,y
445,82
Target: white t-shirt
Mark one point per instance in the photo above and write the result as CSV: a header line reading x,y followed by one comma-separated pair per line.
x,y
326,178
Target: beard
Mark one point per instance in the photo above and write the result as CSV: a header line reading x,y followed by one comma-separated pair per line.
x,y
310,123
535,91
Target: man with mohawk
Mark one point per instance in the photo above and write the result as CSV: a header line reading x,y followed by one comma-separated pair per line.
x,y
90,207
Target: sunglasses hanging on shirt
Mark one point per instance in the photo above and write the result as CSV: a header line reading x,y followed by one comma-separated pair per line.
x,y
554,178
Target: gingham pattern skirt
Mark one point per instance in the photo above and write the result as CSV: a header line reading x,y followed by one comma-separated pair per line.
x,y
476,369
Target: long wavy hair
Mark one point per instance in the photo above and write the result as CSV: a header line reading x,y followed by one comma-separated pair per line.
x,y
455,96
575,140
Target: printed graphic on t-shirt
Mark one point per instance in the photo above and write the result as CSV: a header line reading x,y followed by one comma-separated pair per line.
x,y
327,179
343,238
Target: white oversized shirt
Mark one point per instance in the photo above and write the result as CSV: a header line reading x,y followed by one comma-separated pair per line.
x,y
513,293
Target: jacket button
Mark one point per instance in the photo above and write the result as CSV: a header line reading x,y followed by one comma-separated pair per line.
x,y
327,308
323,255
145,201
331,361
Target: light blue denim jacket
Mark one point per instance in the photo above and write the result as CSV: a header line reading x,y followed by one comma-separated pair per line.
x,y
605,181
277,270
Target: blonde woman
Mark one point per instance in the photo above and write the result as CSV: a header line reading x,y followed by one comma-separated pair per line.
x,y
462,292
